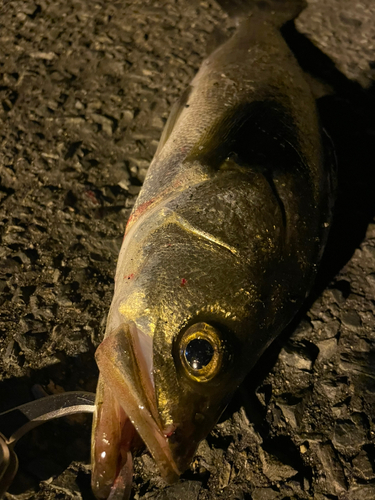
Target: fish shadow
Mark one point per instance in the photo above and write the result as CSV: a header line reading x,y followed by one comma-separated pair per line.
x,y
348,116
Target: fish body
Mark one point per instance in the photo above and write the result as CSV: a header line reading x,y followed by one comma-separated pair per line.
x,y
219,253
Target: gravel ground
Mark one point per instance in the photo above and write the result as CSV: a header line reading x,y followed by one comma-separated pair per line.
x,y
345,31
85,90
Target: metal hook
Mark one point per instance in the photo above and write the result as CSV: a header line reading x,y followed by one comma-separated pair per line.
x,y
16,422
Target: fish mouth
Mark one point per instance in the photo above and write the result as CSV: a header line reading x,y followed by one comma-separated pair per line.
x,y
126,414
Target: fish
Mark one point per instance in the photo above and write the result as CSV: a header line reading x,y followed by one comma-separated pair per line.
x,y
220,251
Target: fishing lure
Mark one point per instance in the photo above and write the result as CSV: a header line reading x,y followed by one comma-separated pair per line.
x,y
219,253
16,422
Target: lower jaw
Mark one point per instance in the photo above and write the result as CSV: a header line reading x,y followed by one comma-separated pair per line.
x,y
130,443
114,441
121,487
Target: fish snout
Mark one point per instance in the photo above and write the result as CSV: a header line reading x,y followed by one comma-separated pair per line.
x,y
126,412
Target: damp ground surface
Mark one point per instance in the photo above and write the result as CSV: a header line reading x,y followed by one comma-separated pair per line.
x,y
85,90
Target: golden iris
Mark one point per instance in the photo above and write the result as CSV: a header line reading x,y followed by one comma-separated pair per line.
x,y
201,352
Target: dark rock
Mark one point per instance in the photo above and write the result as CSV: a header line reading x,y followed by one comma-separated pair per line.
x,y
274,469
265,494
332,478
350,435
363,467
362,492
351,320
188,490
327,349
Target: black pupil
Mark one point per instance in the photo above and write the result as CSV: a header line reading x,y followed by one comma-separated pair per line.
x,y
198,353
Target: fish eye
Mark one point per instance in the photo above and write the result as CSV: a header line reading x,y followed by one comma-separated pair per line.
x,y
198,353
201,352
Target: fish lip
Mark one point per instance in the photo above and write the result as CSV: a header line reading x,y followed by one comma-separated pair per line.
x,y
125,371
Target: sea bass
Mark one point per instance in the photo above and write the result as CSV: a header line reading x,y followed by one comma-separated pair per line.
x,y
219,253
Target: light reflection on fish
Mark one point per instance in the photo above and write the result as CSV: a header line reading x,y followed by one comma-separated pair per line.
x,y
220,251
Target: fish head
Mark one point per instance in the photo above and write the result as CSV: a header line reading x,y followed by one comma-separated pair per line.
x,y
195,305
166,379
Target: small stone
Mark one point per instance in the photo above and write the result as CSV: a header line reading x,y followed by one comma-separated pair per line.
x,y
78,105
370,233
327,349
188,490
65,484
334,483
106,123
265,494
64,301
127,116
303,449
349,435
289,413
21,16
369,251
335,392
48,56
224,475
133,190
351,320
363,467
124,184
326,330
140,162
371,279
205,453
295,359
362,492
274,469
157,122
